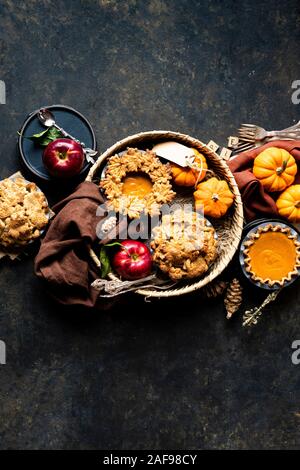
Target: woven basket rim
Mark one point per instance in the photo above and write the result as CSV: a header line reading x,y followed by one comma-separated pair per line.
x,y
238,218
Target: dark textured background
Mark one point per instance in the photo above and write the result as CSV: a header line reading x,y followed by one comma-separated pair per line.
x,y
163,374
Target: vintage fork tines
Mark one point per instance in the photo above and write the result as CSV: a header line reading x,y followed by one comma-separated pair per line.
x,y
244,146
246,131
246,137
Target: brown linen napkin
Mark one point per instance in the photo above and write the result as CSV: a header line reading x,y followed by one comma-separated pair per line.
x,y
257,202
63,260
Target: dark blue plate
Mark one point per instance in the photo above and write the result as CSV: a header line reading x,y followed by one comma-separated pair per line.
x,y
68,118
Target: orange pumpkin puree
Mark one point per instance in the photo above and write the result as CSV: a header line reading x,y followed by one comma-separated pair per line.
x,y
136,184
273,256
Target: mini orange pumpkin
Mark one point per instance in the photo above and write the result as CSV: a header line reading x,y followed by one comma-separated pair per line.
x,y
275,168
288,203
186,176
213,197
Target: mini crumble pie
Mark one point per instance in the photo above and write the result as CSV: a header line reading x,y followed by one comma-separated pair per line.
x,y
23,212
140,164
272,255
184,245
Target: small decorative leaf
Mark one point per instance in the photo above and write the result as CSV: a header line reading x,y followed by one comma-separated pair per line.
x,y
105,262
45,137
54,133
39,135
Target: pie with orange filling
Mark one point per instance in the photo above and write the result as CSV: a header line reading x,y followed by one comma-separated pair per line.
x,y
272,255
137,182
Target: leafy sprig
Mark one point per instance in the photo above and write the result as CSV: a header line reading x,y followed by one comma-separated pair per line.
x,y
45,137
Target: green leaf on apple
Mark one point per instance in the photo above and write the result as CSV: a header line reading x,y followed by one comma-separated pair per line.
x,y
105,262
45,137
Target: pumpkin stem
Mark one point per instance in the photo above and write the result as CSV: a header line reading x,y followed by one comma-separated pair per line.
x,y
282,168
215,197
297,205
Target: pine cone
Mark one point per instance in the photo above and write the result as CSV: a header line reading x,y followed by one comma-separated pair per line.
x,y
214,289
233,298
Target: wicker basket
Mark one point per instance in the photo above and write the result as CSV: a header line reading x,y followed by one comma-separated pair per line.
x,y
229,229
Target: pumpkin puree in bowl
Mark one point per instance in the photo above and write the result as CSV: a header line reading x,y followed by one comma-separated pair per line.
x,y
137,184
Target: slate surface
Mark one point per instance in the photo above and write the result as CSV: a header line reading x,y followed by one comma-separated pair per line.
x,y
169,374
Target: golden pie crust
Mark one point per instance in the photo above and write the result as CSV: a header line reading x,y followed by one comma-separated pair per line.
x,y
184,245
279,255
23,212
135,161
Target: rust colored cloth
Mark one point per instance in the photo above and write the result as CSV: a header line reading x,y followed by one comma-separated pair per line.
x,y
257,202
63,261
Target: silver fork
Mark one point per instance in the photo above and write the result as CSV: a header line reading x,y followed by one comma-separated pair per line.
x,y
248,141
253,133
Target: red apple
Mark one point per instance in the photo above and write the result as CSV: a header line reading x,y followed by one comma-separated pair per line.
x,y
63,158
133,260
